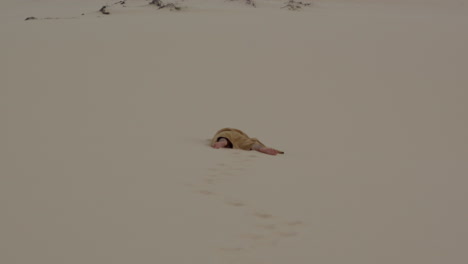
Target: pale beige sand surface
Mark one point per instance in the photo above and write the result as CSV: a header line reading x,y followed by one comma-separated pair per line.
x,y
105,122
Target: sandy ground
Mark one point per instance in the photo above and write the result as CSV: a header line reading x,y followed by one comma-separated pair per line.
x,y
105,122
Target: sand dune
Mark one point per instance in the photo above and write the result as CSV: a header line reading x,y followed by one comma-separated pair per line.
x,y
106,121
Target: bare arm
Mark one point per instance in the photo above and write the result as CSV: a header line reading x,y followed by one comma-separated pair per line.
x,y
263,149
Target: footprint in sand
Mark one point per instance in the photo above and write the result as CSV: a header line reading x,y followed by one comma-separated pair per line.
x,y
267,226
275,232
287,234
238,169
253,236
209,181
295,223
233,250
263,215
206,192
235,203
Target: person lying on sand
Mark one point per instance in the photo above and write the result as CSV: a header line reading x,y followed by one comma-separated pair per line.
x,y
236,139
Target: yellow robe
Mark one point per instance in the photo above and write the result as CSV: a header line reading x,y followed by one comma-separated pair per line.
x,y
238,139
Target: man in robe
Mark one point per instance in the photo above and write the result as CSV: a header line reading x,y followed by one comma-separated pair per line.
x,y
236,139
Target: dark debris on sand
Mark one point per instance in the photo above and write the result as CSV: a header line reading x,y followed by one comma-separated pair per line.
x,y
104,11
294,5
160,4
157,3
291,5
248,2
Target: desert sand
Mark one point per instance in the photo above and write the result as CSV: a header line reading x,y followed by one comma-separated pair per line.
x,y
106,119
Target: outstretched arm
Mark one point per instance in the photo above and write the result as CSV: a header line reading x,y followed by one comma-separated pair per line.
x,y
265,150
